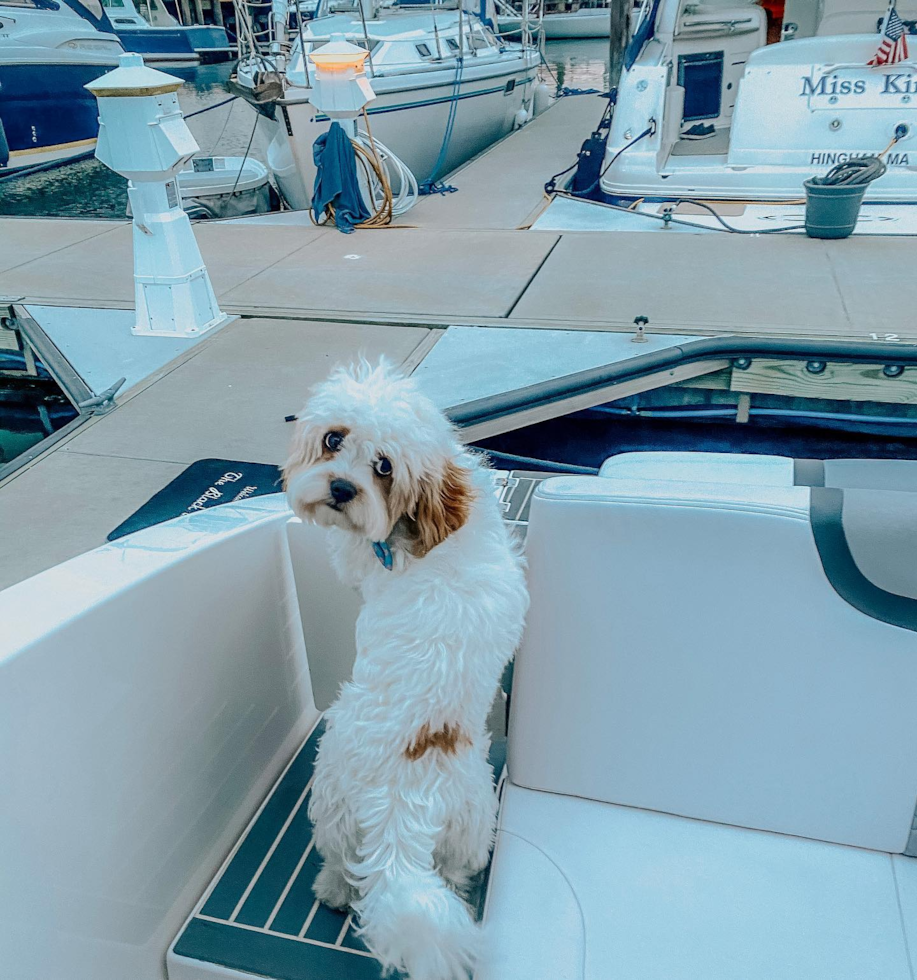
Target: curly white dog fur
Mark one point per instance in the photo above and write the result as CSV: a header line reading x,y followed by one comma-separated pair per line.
x,y
403,801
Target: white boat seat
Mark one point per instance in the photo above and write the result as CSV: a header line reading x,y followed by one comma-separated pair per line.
x,y
766,471
707,650
875,527
592,891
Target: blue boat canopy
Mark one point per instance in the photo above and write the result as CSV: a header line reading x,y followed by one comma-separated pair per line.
x,y
645,30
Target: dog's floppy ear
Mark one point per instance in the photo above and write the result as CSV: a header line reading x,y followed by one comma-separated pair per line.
x,y
305,449
442,507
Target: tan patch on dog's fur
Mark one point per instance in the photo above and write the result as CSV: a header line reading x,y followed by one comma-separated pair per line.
x,y
442,508
447,739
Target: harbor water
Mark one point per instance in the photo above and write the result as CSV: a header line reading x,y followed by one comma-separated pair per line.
x,y
88,189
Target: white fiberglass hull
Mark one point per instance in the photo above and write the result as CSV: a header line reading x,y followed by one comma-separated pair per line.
x,y
583,23
716,181
801,108
410,116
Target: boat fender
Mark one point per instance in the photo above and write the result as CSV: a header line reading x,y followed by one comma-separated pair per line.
x,y
4,147
541,99
520,119
589,163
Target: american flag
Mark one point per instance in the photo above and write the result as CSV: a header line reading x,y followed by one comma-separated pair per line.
x,y
893,46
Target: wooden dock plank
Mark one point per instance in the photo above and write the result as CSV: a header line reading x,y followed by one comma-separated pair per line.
x,y
413,272
228,400
842,382
739,284
67,504
703,284
23,240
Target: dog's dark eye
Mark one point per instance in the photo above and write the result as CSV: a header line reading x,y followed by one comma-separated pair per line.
x,y
384,466
333,440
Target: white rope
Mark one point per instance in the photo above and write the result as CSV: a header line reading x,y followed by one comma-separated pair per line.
x,y
397,173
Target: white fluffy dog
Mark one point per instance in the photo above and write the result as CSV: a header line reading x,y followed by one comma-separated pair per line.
x,y
403,802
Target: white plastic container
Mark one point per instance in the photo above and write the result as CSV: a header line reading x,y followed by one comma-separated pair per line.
x,y
214,187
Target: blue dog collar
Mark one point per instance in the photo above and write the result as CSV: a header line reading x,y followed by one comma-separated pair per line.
x,y
384,553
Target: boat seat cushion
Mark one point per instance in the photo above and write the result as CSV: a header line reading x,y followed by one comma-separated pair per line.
x,y
687,651
765,471
591,891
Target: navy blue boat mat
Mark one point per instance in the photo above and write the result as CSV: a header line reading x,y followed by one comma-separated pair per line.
x,y
261,916
205,483
210,482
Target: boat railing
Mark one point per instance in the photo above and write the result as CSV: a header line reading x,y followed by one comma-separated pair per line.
x,y
530,15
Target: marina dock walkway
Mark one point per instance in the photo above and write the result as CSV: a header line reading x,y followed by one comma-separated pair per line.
x,y
504,186
309,298
708,283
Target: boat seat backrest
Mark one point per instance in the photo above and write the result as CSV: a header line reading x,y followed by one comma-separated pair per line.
x,y
708,650
761,470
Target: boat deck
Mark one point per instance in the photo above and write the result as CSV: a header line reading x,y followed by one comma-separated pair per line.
x,y
309,298
259,916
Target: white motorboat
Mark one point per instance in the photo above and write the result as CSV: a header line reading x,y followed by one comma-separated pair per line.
x,y
446,87
707,109
48,52
149,29
559,19
710,736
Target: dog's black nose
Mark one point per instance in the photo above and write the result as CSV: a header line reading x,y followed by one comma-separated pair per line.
x,y
342,491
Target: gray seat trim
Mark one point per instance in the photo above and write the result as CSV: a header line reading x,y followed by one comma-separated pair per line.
x,y
826,514
809,472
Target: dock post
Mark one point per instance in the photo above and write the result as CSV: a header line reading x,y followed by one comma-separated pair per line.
x,y
619,11
143,136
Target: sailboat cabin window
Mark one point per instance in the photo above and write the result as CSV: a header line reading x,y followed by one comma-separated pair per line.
x,y
453,44
423,51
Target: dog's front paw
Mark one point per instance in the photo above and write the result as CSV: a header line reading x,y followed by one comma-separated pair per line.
x,y
332,888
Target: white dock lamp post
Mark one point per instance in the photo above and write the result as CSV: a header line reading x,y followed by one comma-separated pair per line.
x,y
340,87
143,136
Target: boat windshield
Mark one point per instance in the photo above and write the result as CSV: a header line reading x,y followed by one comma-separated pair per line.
x,y
93,7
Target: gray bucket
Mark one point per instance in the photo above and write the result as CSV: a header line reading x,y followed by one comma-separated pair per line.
x,y
832,209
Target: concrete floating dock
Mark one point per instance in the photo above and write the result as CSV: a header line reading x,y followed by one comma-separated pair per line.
x,y
709,284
